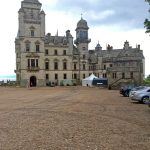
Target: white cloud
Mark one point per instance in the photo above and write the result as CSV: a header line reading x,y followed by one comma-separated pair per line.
x,y
101,15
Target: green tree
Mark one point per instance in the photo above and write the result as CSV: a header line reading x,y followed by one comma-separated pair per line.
x,y
147,22
147,80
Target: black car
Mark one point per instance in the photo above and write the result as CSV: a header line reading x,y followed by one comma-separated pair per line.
x,y
125,90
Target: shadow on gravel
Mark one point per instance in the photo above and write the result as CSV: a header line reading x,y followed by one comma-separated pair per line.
x,y
137,103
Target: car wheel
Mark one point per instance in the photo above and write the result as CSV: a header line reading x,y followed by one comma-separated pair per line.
x,y
145,99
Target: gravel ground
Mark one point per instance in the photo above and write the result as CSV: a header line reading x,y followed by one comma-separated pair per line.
x,y
71,118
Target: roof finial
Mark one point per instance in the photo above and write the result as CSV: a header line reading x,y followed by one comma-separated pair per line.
x,y
57,33
81,16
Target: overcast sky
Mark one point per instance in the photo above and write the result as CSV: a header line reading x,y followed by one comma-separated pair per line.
x,y
110,22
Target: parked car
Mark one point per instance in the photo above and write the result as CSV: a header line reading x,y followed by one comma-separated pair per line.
x,y
136,89
125,90
141,96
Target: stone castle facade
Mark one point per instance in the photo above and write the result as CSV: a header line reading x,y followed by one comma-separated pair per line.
x,y
42,58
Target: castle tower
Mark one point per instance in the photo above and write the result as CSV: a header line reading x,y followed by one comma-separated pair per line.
x,y
30,44
82,40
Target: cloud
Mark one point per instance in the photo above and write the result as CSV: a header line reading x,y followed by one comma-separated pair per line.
x,y
99,12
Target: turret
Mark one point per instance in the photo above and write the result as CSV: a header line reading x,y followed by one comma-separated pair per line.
x,y
82,32
42,16
126,45
21,22
82,40
98,47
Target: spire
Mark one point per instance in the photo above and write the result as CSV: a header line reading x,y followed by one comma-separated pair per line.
x,y
98,47
57,33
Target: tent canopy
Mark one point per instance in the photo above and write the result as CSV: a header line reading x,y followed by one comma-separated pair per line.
x,y
88,81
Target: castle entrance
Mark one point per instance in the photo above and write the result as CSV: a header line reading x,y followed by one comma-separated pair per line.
x,y
33,81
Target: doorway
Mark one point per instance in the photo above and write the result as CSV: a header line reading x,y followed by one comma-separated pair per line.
x,y
33,81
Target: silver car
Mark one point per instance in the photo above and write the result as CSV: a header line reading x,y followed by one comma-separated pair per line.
x,y
141,95
136,89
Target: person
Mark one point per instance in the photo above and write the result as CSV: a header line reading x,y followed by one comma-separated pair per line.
x,y
28,84
109,87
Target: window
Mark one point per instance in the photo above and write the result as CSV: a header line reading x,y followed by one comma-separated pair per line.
x,y
104,75
37,63
55,52
64,52
75,66
65,76
32,62
83,76
83,56
47,76
83,66
56,76
83,48
46,65
89,67
55,65
110,65
123,75
28,62
75,76
32,33
37,48
104,67
64,65
131,75
46,51
27,47
17,55
114,75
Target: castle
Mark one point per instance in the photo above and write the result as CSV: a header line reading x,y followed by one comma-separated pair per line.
x,y
42,58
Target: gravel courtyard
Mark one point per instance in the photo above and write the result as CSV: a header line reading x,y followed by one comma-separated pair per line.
x,y
71,118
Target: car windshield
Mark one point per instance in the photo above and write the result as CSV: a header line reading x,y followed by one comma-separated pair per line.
x,y
138,88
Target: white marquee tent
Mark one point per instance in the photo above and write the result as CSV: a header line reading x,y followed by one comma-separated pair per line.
x,y
88,81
